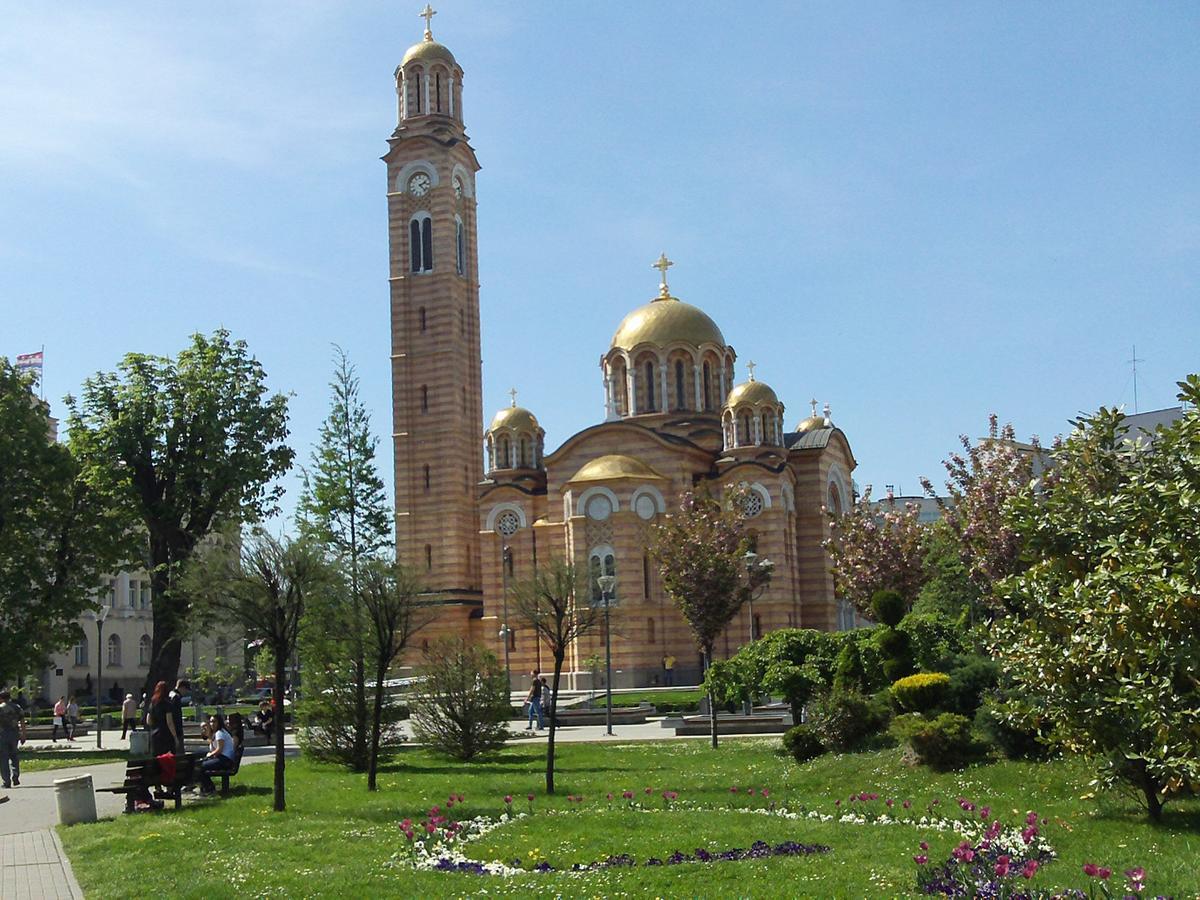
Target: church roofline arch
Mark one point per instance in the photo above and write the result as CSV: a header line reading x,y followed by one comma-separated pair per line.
x,y
672,441
505,507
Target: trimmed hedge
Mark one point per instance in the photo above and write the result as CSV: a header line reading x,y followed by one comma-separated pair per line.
x,y
942,743
802,743
921,693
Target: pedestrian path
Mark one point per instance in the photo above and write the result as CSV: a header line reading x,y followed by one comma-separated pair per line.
x,y
34,867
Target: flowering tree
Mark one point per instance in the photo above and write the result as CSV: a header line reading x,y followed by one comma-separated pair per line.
x,y
877,549
981,480
701,552
1103,624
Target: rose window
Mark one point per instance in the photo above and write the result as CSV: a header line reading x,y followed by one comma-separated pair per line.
x,y
507,523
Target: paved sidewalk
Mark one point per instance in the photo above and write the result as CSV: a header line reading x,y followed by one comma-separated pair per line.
x,y
34,867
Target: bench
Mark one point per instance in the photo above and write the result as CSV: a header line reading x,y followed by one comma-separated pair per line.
x,y
225,776
141,775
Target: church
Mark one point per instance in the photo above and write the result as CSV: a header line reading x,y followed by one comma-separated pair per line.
x,y
476,512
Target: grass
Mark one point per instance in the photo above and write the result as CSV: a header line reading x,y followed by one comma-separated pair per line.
x,y
673,699
45,760
338,840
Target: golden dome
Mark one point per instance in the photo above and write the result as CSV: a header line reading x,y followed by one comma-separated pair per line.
x,y
515,417
615,465
428,51
666,321
812,423
754,393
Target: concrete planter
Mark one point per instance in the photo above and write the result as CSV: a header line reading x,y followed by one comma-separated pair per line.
x,y
76,800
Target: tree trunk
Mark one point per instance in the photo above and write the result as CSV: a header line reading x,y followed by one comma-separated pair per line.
x,y
558,664
376,727
712,703
166,641
281,656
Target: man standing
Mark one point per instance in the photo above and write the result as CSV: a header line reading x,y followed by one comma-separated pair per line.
x,y
12,735
668,670
534,699
182,687
128,715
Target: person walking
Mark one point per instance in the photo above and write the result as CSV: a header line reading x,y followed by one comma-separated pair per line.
x,y
60,719
72,718
12,735
534,701
128,715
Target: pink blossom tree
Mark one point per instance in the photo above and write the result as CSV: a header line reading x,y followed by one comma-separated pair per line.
x,y
877,548
981,481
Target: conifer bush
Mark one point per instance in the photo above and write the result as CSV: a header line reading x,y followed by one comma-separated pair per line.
x,y
921,693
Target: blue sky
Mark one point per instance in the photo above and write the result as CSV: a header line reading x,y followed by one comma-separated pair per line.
x,y
920,213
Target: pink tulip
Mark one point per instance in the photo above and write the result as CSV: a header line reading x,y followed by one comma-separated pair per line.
x,y
921,859
1029,869
924,845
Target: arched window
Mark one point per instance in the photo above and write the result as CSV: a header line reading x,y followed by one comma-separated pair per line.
x,y
679,396
646,575
429,557
460,241
525,460
464,399
427,479
419,81
708,404
650,387
420,243
764,434
421,317
835,500
505,453
424,398
144,645
438,90
221,649
746,429
81,652
650,631
114,650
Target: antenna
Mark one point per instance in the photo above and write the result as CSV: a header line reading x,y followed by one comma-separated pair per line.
x,y
1134,363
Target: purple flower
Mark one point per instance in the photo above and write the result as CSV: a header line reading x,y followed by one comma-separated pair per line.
x,y
921,859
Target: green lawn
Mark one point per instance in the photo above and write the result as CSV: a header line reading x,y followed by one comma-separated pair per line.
x,y
338,840
44,760
674,699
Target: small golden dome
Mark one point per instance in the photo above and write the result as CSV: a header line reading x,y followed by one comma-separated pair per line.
x,y
753,393
666,321
615,465
428,50
515,417
812,423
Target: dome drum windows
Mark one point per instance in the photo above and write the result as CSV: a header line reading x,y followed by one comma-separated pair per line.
x,y
420,243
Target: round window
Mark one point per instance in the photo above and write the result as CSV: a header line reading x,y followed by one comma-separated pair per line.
x,y
752,505
508,522
646,507
599,508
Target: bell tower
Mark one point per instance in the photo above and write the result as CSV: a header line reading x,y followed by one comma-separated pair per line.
x,y
437,407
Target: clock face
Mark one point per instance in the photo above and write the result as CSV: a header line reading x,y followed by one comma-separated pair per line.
x,y
419,184
458,187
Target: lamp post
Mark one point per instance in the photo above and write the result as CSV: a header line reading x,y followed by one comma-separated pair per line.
x,y
505,562
100,615
754,566
607,583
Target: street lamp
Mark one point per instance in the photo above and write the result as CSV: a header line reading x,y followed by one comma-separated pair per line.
x,y
607,583
505,562
100,615
754,566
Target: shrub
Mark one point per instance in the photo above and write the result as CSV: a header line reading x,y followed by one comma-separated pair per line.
x,y
921,693
841,720
460,706
1011,739
802,743
970,681
896,659
942,743
934,640
889,608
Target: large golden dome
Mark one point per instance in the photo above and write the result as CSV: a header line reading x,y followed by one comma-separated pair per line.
x,y
615,465
428,50
666,321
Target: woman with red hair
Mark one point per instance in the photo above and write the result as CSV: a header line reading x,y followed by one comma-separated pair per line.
x,y
163,738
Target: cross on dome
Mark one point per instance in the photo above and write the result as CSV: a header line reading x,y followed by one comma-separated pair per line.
x,y
662,264
750,367
813,401
512,392
427,14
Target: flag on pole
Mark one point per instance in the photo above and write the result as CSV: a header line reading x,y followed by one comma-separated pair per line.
x,y
30,362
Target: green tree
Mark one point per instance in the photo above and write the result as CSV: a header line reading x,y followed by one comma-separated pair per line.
x,y
58,534
1101,628
549,602
182,446
460,704
261,584
700,552
343,506
395,608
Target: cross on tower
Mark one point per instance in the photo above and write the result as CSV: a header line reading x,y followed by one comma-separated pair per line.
x,y
427,14
662,264
512,392
813,401
750,367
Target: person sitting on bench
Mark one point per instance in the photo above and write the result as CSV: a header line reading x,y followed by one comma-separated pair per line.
x,y
221,755
265,718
